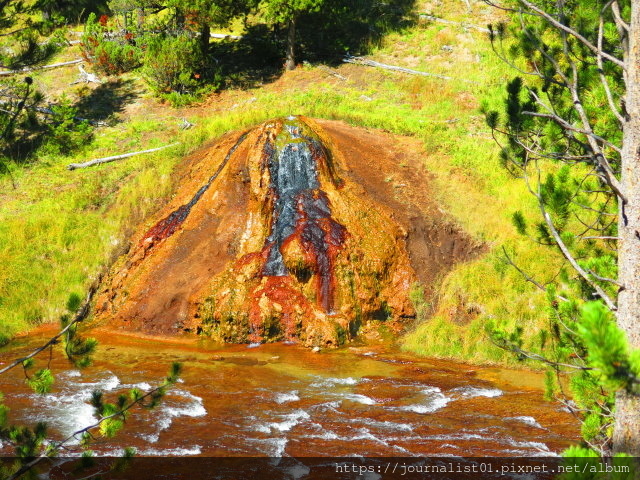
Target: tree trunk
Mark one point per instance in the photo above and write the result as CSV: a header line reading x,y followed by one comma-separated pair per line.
x,y
290,64
140,14
205,36
180,20
626,437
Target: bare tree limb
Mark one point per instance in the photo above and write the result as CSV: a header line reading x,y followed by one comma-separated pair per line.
x,y
563,123
372,63
527,277
567,254
535,356
603,78
48,111
44,67
451,22
604,279
98,161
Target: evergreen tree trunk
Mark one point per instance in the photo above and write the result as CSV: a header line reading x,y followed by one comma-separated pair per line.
x,y
626,437
290,64
140,12
205,36
180,20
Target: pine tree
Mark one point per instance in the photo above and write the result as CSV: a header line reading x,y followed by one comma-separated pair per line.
x,y
203,14
571,126
286,12
18,96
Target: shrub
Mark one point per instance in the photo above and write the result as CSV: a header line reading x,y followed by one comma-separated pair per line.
x,y
176,65
113,55
66,133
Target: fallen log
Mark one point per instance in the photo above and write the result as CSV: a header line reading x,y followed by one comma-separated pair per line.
x,y
98,161
44,67
86,77
451,22
122,33
332,72
223,36
372,63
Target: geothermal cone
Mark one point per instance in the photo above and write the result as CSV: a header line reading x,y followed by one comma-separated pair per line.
x,y
269,238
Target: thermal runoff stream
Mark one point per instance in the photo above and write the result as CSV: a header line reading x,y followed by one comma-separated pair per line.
x,y
279,399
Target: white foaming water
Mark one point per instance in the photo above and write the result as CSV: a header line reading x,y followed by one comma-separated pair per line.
x,y
365,434
169,452
333,381
470,392
253,345
541,447
371,476
287,397
356,397
144,386
435,401
274,447
298,471
332,406
190,406
68,410
386,425
528,420
322,434
290,421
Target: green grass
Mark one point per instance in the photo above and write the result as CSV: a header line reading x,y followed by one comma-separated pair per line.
x,y
59,228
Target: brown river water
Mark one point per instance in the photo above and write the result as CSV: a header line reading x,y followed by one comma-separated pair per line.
x,y
285,400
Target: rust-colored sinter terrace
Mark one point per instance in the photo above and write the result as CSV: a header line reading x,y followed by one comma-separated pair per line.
x,y
270,236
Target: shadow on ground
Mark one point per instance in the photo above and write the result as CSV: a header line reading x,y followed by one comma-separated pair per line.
x,y
341,27
104,103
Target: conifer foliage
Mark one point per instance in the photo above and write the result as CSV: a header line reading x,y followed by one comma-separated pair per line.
x,y
570,128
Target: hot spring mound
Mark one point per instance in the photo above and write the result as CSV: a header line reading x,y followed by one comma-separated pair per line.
x,y
280,233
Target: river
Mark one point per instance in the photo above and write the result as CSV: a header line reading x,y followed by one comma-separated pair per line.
x,y
286,400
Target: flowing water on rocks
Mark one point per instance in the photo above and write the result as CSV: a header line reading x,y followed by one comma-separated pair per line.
x,y
285,400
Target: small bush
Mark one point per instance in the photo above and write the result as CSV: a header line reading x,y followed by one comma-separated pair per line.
x,y
110,56
175,65
66,133
113,57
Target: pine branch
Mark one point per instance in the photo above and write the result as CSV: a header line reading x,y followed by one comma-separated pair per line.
x,y
54,447
603,78
511,347
564,124
567,254
80,315
527,277
561,26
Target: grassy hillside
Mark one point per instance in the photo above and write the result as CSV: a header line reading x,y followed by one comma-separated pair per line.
x,y
59,227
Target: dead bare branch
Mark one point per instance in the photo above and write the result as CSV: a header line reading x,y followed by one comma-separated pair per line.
x,y
98,161
44,67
